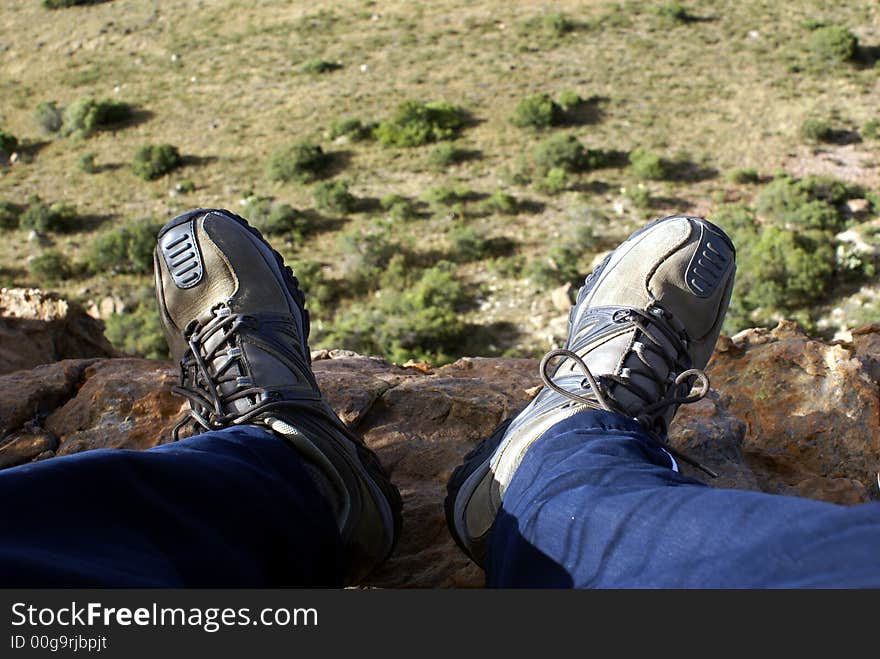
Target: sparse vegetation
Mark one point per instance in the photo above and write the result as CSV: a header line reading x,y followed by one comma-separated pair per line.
x,y
729,88
302,162
154,161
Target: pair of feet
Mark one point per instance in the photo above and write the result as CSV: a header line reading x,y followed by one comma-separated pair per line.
x,y
644,323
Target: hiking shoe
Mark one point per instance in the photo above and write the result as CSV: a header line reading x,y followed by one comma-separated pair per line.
x,y
235,321
645,322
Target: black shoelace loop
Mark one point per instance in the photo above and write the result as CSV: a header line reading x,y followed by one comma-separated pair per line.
x,y
601,398
202,387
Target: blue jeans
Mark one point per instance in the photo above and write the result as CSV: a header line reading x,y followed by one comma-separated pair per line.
x,y
233,508
595,505
592,505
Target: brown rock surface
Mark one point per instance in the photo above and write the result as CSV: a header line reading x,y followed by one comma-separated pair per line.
x,y
789,414
38,327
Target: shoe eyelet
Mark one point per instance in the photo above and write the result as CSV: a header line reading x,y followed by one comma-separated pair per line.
x,y
621,315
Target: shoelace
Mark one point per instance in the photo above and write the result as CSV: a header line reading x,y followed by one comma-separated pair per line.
x,y
202,388
603,398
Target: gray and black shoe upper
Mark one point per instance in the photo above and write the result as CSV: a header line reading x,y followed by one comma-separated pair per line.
x,y
235,321
643,326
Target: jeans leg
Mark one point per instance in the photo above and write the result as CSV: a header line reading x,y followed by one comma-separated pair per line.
x,y
595,505
232,508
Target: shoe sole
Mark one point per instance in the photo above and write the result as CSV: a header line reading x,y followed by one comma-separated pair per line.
x,y
469,475
369,461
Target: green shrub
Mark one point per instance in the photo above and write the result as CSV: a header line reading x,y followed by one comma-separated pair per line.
x,y
352,128
833,44
364,256
466,244
138,332
647,165
51,266
787,269
790,261
871,129
302,162
333,197
60,4
562,151
444,198
123,249
570,100
557,24
42,217
415,123
419,321
500,202
273,218
9,214
398,208
738,221
537,111
317,66
743,176
185,186
559,265
814,130
671,13
8,143
49,116
810,203
444,155
554,182
85,116
321,290
153,161
639,196
86,163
